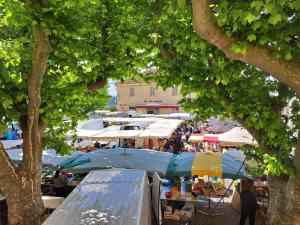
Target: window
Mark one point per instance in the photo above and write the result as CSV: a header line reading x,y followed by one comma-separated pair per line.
x,y
175,110
174,91
152,91
131,92
154,111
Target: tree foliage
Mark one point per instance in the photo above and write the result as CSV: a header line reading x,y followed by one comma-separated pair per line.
x,y
263,23
89,45
220,86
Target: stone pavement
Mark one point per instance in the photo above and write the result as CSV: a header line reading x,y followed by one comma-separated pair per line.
x,y
230,217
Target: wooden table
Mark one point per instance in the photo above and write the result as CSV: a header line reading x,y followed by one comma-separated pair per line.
x,y
205,201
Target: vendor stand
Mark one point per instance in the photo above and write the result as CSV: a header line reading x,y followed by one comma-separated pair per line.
x,y
200,198
205,191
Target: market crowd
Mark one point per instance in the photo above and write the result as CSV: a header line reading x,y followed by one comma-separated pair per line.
x,y
179,140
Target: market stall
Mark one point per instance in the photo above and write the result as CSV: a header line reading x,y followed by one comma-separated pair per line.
x,y
166,164
145,137
236,137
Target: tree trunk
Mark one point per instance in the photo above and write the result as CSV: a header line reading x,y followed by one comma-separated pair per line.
x,y
23,195
296,200
24,204
284,207
296,184
22,185
280,207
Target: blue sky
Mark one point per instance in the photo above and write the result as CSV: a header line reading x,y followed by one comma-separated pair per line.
x,y
112,91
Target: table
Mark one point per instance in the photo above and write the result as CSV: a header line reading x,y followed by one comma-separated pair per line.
x,y
204,201
184,197
187,198
51,202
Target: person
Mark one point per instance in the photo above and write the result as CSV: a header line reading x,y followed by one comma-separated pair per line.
x,y
58,184
248,203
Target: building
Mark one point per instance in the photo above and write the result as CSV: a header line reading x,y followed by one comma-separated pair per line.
x,y
147,98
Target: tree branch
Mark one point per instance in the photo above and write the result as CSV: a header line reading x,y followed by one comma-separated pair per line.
x,y
165,53
7,169
99,83
288,72
282,98
32,147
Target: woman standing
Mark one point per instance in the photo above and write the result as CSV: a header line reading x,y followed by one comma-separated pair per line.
x,y
248,203
58,184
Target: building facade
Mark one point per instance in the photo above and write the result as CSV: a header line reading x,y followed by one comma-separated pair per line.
x,y
147,98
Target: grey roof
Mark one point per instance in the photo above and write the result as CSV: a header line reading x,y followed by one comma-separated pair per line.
x,y
110,197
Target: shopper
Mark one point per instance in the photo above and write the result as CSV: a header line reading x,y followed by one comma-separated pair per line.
x,y
248,203
58,184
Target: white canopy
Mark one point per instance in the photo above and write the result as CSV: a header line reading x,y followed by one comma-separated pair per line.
x,y
159,128
90,134
116,134
237,136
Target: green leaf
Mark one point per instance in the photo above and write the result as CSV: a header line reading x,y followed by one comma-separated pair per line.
x,y
288,56
249,17
251,37
181,3
6,103
256,5
295,4
274,19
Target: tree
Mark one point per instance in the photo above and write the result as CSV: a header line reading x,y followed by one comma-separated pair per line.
x,y
231,88
263,34
54,57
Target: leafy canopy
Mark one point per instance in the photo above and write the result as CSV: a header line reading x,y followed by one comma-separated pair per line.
x,y
89,44
223,87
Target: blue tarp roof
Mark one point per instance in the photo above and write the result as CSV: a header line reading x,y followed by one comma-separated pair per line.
x,y
166,164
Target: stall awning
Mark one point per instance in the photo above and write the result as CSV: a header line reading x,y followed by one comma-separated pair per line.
x,y
211,139
166,164
158,106
204,138
236,137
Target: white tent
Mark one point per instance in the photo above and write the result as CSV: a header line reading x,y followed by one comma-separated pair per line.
x,y
112,135
237,136
90,134
92,124
161,129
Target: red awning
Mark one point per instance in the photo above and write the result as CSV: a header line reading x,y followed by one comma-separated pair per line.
x,y
158,106
210,139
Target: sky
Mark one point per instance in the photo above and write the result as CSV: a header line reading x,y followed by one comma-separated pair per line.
x,y
112,91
